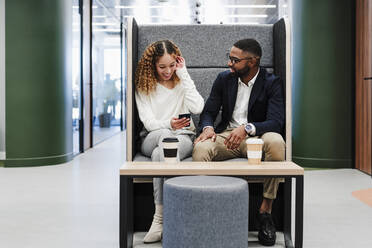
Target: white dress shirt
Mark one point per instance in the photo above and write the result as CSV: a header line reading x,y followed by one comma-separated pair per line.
x,y
240,114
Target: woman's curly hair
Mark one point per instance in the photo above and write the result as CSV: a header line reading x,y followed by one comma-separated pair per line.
x,y
146,76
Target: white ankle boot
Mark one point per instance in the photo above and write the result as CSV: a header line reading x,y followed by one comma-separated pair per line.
x,y
156,229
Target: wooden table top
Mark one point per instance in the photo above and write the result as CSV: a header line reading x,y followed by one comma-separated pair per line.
x,y
210,168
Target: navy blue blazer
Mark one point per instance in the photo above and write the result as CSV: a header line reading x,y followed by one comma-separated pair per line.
x,y
265,108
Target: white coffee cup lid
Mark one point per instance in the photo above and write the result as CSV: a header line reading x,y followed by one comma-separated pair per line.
x,y
170,140
254,141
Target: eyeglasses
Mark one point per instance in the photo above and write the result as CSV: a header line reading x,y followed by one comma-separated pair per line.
x,y
236,60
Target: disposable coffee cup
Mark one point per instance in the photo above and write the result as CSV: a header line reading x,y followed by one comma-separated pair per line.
x,y
170,149
254,150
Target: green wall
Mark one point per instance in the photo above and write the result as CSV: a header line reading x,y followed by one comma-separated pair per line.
x,y
38,82
2,79
323,79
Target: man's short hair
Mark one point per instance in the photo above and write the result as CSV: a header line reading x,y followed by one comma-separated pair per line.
x,y
249,45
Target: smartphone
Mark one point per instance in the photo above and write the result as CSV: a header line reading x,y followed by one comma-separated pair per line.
x,y
188,116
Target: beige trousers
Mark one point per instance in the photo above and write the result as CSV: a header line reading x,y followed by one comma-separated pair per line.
x,y
273,148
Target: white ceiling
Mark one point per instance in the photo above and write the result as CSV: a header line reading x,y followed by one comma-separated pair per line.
x,y
189,11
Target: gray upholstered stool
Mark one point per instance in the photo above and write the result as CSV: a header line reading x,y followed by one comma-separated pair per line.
x,y
205,211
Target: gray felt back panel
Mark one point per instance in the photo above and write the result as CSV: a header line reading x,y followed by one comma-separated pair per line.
x,y
207,45
203,79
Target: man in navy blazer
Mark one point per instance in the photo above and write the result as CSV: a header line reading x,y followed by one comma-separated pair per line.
x,y
252,105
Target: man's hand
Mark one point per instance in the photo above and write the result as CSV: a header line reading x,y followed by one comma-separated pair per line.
x,y
235,138
179,123
206,134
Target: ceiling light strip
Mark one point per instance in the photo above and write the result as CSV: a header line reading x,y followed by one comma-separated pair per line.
x,y
151,16
106,30
106,24
252,6
250,16
76,7
241,23
146,7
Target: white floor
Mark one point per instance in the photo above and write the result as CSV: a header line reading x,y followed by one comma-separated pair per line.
x,y
75,205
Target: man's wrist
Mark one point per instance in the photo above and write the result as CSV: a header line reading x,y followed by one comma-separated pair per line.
x,y
250,129
204,128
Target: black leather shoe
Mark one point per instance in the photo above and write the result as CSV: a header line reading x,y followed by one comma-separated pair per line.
x,y
266,233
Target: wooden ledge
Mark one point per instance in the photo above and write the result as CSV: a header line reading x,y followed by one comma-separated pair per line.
x,y
210,168
249,180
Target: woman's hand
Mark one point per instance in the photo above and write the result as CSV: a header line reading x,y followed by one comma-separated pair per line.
x,y
179,123
180,62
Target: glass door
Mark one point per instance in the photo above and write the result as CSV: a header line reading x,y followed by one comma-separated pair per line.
x,y
106,73
76,78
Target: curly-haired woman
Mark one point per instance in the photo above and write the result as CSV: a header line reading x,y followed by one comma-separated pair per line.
x,y
164,90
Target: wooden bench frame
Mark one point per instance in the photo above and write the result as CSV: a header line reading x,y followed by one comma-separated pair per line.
x,y
287,170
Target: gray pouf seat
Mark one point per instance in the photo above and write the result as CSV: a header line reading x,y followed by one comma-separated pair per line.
x,y
205,211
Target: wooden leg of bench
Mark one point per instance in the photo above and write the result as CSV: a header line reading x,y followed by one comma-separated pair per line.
x,y
287,222
299,225
126,212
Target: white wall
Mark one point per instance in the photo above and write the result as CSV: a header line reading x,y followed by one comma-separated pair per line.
x,y
2,79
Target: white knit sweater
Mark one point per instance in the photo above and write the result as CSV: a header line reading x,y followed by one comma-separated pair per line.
x,y
156,109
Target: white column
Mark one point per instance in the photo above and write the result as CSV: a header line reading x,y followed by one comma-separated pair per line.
x,y
2,79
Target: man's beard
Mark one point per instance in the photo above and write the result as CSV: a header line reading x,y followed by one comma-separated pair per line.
x,y
240,73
